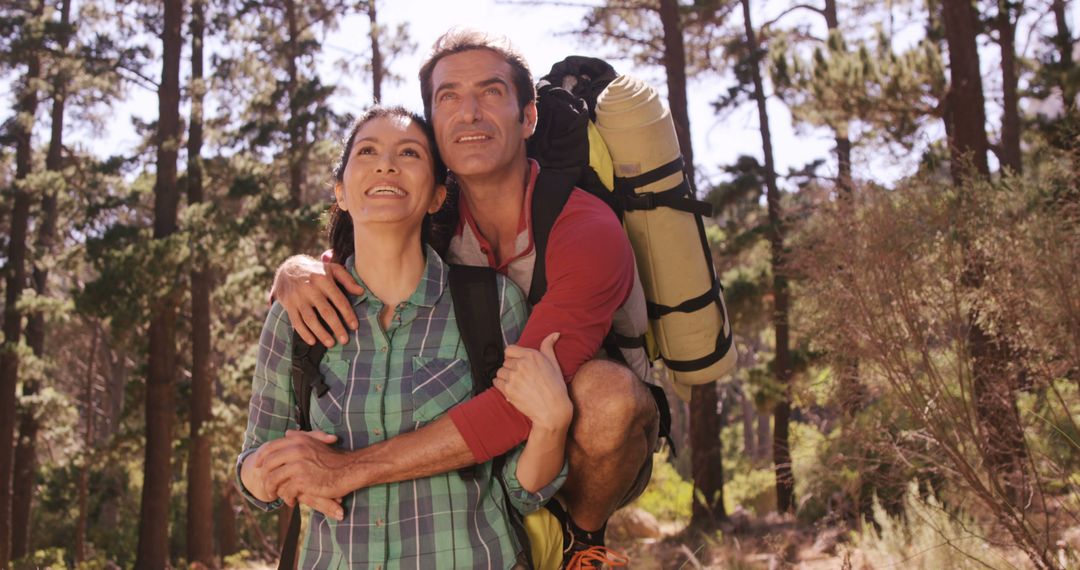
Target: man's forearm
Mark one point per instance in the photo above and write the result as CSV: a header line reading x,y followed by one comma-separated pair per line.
x,y
435,448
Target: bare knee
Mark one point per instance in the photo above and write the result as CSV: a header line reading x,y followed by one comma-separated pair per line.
x,y
611,406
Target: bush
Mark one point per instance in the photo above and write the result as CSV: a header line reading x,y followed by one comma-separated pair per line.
x,y
925,536
668,495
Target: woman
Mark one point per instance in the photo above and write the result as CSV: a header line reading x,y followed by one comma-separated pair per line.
x,y
403,368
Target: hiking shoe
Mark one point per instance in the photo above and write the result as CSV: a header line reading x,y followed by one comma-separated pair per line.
x,y
596,557
583,549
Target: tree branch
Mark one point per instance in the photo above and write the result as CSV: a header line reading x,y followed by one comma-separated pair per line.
x,y
138,78
819,11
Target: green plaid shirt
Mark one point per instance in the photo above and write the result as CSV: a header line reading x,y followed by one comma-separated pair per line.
x,y
383,384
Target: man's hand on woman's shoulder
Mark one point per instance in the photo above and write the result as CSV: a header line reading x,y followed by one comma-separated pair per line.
x,y
309,288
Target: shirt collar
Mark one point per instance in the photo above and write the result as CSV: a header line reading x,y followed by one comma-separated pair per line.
x,y
428,292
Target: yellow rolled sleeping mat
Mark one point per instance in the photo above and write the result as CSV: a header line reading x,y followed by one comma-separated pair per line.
x,y
687,316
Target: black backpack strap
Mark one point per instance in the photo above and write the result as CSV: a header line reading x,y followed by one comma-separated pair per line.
x,y
475,292
476,308
553,188
305,378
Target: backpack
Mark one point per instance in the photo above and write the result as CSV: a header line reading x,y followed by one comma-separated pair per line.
x,y
475,296
610,136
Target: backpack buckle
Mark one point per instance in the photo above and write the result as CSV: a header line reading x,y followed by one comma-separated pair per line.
x,y
642,201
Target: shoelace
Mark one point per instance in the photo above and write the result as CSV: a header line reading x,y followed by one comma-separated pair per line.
x,y
587,559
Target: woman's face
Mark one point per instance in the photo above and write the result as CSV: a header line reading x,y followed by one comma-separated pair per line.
x,y
390,175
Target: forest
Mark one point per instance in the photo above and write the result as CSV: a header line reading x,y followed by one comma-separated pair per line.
x,y
908,387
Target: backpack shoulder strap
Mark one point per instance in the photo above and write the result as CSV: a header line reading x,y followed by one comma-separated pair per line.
x,y
475,293
553,188
305,378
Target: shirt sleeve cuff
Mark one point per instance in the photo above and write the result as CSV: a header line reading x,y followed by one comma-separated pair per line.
x,y
489,425
263,505
523,500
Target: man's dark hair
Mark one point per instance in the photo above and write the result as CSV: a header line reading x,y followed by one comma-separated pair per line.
x,y
458,40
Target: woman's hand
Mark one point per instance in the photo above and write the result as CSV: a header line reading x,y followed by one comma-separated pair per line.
x,y
532,382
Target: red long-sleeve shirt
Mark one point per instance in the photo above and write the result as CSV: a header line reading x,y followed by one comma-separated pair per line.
x,y
590,273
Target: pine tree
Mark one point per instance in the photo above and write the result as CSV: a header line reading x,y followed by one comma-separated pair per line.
x,y
153,549
26,51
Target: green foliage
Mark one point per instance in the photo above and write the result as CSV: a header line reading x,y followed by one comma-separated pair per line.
x,y
668,495
927,536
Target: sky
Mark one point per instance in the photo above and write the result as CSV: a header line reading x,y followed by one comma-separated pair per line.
x,y
539,32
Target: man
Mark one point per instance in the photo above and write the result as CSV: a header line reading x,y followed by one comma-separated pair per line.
x,y
478,93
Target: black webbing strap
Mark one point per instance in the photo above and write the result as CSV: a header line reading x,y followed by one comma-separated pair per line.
x,y
657,310
626,184
476,310
305,378
676,198
679,197
627,342
475,293
553,188
723,344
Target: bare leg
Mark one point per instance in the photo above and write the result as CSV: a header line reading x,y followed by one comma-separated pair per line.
x,y
613,433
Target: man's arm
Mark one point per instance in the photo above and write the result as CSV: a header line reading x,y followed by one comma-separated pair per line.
x,y
297,464
590,272
307,287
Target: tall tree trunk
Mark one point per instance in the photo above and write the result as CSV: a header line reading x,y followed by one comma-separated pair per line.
x,y
993,384
15,282
200,483
746,408
785,480
675,69
849,385
1010,120
1064,42
377,71
706,458
967,142
26,447
153,551
226,522
295,126
843,143
88,454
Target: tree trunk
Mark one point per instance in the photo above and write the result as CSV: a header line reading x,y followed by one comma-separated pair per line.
x,y
14,283
993,385
153,550
377,71
200,483
746,407
675,69
295,127
1064,42
226,522
88,455
764,437
1010,120
785,481
967,142
26,447
843,143
706,457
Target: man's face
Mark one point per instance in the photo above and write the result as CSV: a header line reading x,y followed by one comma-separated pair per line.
x,y
474,110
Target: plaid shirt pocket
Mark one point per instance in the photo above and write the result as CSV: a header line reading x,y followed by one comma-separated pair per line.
x,y
438,384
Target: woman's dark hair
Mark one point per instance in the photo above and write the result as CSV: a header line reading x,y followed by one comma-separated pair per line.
x,y
436,229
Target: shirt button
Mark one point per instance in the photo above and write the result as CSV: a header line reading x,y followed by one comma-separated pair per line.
x,y
378,387
382,348
379,523
377,431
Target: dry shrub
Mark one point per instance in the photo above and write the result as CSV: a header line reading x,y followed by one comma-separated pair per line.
x,y
884,286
